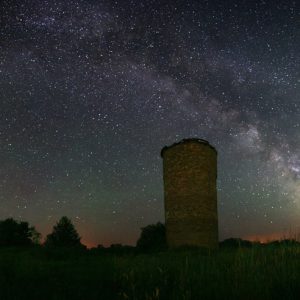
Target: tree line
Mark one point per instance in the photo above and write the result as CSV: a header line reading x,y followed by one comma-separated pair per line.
x,y
64,234
19,233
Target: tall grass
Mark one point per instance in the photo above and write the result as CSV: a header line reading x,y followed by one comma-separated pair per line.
x,y
271,272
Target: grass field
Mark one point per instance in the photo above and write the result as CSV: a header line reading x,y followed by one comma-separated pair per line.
x,y
260,272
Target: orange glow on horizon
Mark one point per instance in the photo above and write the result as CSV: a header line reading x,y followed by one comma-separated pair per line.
x,y
269,237
89,244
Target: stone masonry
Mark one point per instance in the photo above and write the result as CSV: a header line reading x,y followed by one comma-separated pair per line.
x,y
190,173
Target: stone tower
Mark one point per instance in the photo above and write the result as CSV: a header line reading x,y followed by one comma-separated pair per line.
x,y
190,173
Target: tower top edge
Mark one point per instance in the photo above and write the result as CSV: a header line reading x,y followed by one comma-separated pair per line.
x,y
186,141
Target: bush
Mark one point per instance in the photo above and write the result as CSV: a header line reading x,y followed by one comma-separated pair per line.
x,y
153,238
236,243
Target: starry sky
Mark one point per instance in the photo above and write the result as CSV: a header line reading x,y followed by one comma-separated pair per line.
x,y
90,91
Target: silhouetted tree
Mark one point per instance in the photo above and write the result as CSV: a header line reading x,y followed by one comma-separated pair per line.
x,y
64,234
153,237
35,236
14,233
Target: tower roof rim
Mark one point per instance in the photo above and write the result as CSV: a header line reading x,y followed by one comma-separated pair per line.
x,y
188,140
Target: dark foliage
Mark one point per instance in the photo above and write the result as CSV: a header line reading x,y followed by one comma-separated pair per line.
x,y
115,249
285,242
64,234
121,249
260,272
236,243
13,233
153,238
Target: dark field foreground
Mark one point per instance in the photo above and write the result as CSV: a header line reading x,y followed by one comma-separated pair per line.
x,y
269,272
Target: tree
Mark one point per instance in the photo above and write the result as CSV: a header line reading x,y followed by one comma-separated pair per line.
x,y
153,237
35,236
13,233
64,234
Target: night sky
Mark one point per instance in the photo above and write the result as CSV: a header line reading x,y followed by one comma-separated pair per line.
x,y
90,91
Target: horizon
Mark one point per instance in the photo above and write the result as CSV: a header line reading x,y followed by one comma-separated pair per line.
x,y
288,234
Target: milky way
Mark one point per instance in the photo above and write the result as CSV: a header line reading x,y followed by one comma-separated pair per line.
x,y
90,91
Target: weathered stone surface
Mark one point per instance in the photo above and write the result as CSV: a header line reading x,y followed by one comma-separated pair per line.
x,y
190,173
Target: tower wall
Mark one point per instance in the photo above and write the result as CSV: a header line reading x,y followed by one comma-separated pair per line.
x,y
190,173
